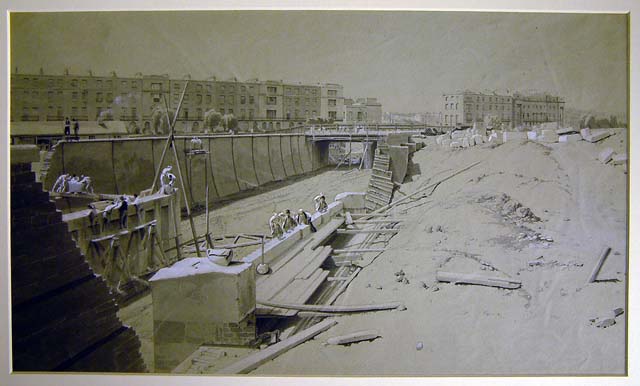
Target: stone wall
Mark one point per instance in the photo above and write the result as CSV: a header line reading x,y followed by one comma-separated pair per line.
x,y
63,315
234,163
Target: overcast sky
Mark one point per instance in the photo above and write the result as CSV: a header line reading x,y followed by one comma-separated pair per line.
x,y
406,59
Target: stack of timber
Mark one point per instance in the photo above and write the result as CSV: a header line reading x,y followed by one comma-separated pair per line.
x,y
297,274
380,189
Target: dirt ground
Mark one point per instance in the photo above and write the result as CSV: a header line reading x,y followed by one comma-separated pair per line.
x,y
542,328
540,214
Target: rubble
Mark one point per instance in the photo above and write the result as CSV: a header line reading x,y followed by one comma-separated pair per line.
x,y
606,155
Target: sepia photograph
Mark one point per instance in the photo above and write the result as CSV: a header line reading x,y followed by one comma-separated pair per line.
x,y
307,193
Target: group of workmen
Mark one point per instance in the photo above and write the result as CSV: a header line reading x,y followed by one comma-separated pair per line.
x,y
284,222
121,204
67,183
67,129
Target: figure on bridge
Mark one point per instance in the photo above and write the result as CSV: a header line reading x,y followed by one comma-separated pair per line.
x,y
288,223
275,224
304,218
321,203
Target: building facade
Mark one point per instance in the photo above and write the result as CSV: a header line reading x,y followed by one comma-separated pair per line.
x,y
365,110
258,105
462,109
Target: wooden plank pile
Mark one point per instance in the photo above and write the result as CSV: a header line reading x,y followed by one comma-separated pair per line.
x,y
380,189
297,275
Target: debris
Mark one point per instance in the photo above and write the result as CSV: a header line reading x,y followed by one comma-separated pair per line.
x,y
379,287
606,323
606,155
598,137
405,280
253,361
596,269
477,279
570,138
419,346
586,132
424,285
355,337
618,311
619,159
401,308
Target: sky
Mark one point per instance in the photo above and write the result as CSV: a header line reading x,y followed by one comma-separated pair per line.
x,y
405,59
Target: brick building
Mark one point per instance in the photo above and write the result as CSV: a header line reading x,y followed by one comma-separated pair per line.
x,y
264,105
462,109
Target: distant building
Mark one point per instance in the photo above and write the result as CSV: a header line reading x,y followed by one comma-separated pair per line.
x,y
262,105
462,109
365,110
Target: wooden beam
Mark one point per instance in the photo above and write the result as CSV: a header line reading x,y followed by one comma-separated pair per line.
x,y
363,250
357,336
337,278
326,308
477,279
253,361
357,231
603,256
385,221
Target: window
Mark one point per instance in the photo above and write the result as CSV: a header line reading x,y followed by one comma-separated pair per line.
x,y
199,99
271,100
134,84
50,83
74,95
271,114
98,97
109,84
155,97
50,95
230,100
297,102
242,116
74,82
208,99
221,99
134,113
333,114
199,88
155,86
230,111
109,98
123,83
272,90
74,111
243,99
332,93
250,113
243,88
251,100
222,111
332,102
456,106
222,88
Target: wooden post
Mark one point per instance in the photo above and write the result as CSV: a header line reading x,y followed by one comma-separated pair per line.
x,y
186,199
175,226
603,256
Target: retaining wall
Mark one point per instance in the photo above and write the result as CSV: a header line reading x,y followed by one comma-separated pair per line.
x,y
237,163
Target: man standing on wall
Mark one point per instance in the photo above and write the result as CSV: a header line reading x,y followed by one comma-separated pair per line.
x,y
76,128
67,128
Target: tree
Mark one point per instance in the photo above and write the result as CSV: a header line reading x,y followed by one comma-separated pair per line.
x,y
230,123
212,119
159,122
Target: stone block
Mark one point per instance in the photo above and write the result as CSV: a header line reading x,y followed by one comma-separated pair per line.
x,y
532,135
570,138
513,136
351,200
619,159
586,132
195,289
598,135
606,155
457,134
24,154
465,142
